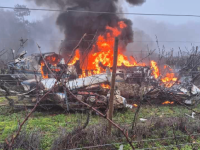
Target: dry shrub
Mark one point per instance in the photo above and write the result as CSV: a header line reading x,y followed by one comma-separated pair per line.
x,y
27,141
92,135
153,128
163,127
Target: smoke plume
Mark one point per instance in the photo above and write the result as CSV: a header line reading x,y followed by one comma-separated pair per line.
x,y
76,24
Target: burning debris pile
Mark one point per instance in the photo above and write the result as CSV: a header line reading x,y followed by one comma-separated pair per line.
x,y
135,82
131,84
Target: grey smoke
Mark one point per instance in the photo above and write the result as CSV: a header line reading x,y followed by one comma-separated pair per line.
x,y
75,24
44,32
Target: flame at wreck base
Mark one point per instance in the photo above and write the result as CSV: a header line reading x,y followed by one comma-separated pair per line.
x,y
101,56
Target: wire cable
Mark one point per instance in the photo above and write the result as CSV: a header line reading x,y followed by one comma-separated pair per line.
x,y
104,12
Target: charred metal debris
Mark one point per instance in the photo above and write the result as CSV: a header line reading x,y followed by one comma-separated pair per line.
x,y
34,75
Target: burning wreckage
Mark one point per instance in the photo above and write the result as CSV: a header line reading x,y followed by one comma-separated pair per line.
x,y
89,79
36,74
133,83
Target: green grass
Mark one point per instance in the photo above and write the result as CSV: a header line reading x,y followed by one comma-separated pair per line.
x,y
153,111
2,99
49,124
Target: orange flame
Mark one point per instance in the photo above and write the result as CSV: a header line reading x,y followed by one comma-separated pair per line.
x,y
102,52
169,79
135,105
154,66
56,70
167,102
105,86
42,72
53,59
122,24
76,57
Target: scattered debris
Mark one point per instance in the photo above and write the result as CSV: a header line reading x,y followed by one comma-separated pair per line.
x,y
192,116
121,147
36,74
143,120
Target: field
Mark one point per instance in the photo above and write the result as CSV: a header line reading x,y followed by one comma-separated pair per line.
x,y
50,126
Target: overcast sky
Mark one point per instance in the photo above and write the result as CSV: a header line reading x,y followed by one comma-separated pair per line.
x,y
166,28
169,7
151,6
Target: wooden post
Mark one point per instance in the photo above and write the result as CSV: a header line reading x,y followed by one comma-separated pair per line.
x,y
110,113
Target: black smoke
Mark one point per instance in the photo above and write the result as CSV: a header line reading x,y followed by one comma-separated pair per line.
x,y
136,2
76,24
